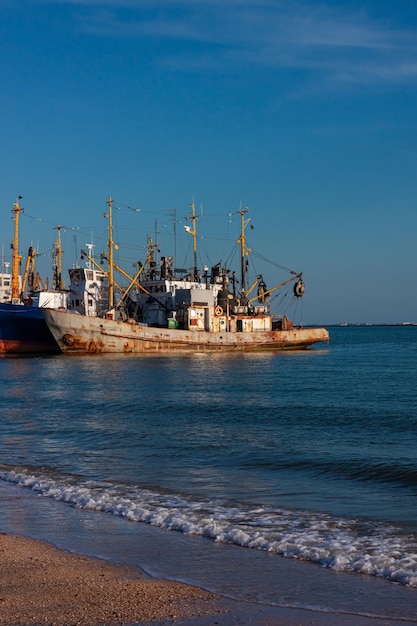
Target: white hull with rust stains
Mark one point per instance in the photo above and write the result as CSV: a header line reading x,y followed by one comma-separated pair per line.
x,y
79,334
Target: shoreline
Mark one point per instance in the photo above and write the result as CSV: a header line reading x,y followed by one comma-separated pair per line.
x,y
41,585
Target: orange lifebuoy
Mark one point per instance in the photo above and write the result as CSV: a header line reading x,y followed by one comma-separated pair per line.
x,y
218,311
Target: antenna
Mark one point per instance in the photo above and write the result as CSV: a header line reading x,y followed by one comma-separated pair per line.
x,y
174,223
76,251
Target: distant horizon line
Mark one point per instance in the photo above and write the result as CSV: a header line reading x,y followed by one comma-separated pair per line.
x,y
349,324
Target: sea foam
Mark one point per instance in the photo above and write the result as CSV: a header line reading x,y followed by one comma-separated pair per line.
x,y
338,543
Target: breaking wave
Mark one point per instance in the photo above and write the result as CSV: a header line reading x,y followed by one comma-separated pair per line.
x,y
338,543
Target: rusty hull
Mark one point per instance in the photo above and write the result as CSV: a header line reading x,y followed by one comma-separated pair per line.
x,y
79,334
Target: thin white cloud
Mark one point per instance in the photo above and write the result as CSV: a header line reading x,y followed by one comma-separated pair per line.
x,y
336,44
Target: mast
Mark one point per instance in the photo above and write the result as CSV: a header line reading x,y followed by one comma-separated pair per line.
x,y
244,251
89,255
111,244
16,257
174,224
150,258
57,280
29,273
193,231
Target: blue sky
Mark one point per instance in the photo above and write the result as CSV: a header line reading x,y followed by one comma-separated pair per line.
x,y
304,111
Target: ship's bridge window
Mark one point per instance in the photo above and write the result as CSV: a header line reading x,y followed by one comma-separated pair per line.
x,y
75,274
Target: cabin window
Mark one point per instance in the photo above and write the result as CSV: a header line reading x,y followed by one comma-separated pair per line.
x,y
90,302
75,274
7,282
89,274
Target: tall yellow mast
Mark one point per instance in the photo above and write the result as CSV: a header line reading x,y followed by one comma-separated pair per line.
x,y
111,245
16,257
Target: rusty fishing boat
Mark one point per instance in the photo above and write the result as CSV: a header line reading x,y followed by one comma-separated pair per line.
x,y
168,310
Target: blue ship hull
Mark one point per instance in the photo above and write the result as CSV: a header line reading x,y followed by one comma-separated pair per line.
x,y
23,331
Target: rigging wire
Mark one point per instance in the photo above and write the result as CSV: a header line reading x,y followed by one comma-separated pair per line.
x,y
282,267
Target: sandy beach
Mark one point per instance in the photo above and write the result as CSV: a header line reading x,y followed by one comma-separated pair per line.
x,y
45,586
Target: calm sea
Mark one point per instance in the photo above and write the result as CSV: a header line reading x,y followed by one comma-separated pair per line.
x,y
286,479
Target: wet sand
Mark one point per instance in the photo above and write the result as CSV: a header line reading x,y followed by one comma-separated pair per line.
x,y
45,586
